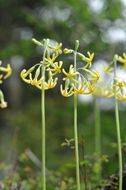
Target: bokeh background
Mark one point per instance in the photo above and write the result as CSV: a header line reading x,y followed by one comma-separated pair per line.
x,y
100,26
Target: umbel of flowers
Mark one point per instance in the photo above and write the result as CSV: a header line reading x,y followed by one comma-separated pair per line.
x,y
43,76
5,72
78,80
116,89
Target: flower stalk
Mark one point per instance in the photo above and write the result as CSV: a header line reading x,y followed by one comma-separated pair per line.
x,y
118,129
43,122
75,125
97,136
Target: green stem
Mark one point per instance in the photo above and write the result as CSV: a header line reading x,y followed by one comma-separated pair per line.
x,y
43,139
43,125
76,134
97,136
118,132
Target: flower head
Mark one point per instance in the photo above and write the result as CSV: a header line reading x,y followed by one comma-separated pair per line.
x,y
56,48
67,92
72,73
56,67
42,74
88,59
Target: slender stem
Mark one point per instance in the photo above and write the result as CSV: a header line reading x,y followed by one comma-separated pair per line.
x,y
97,135
118,132
43,126
76,135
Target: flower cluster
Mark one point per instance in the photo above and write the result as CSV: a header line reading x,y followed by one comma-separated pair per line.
x,y
120,82
81,80
5,72
117,85
43,74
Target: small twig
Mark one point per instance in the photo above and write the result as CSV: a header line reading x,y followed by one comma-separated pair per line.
x,y
35,160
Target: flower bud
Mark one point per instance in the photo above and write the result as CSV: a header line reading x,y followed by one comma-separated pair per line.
x,y
76,45
67,51
37,42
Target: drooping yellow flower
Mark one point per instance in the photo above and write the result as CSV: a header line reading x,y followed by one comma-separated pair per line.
x,y
67,92
26,75
51,83
108,69
83,89
83,86
88,59
93,75
122,59
6,72
56,48
71,74
56,67
3,104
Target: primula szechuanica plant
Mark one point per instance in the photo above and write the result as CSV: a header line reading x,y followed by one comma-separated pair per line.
x,y
43,76
117,89
5,72
78,80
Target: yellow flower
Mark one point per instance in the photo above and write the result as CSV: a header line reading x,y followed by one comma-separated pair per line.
x,y
56,48
121,97
84,88
122,59
101,89
108,69
25,73
3,104
6,72
71,74
119,83
67,92
56,67
94,75
27,76
50,60
51,83
36,79
88,59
